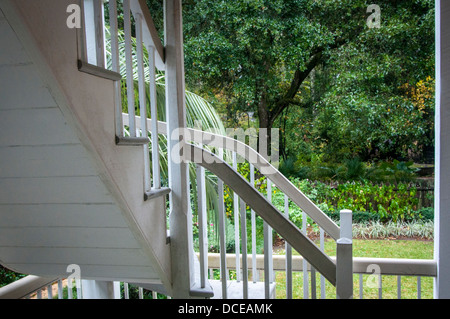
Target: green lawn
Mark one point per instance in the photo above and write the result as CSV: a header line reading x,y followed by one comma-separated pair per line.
x,y
372,248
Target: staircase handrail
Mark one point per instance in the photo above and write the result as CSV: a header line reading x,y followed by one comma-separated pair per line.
x,y
253,198
267,169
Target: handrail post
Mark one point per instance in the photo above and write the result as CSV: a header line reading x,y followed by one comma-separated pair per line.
x,y
344,258
183,276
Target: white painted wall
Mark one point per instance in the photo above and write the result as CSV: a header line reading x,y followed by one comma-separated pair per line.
x,y
75,111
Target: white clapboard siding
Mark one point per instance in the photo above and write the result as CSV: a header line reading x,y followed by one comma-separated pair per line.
x,y
13,53
43,190
19,91
37,126
61,215
79,255
55,206
45,161
69,237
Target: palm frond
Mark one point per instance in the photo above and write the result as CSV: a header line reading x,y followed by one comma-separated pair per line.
x,y
198,113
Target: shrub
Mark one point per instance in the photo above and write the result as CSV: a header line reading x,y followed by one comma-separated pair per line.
x,y
376,229
352,169
8,276
368,201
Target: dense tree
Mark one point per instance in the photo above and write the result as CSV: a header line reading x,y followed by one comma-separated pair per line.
x,y
319,60
316,70
257,54
374,97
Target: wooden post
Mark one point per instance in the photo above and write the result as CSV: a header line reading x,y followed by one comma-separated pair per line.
x,y
180,217
95,289
344,259
442,151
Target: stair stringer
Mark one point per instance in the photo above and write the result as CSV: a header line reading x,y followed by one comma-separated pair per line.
x,y
87,104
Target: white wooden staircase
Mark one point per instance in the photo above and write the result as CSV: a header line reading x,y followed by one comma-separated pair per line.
x,y
74,189
68,193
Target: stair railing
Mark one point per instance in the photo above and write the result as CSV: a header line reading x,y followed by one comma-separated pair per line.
x,y
105,53
292,196
93,59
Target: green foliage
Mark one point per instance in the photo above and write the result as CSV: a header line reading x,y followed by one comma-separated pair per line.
x,y
394,171
8,276
247,52
349,170
199,115
377,229
373,98
333,86
367,200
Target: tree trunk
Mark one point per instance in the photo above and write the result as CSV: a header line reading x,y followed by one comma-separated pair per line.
x,y
265,126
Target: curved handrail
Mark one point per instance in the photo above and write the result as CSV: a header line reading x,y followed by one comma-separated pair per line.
x,y
264,209
242,149
25,286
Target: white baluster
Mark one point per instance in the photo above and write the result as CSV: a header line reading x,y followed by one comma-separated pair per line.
x,y
69,291
253,226
322,278
90,25
60,289
49,292
419,288
154,115
268,262
361,286
126,290
244,248
222,236
380,288
142,99
305,263
129,67
236,226
202,224
99,19
288,255
113,29
313,283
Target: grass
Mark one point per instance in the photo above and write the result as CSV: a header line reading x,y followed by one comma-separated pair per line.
x,y
384,248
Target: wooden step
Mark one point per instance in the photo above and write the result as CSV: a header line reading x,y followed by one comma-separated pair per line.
x,y
235,289
156,193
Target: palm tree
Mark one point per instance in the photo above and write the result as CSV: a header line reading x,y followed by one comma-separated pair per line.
x,y
198,110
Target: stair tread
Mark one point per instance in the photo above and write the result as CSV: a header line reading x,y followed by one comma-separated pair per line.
x,y
157,193
256,290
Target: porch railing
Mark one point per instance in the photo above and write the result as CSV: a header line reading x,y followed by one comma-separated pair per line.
x,y
34,287
250,263
369,274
